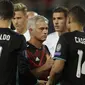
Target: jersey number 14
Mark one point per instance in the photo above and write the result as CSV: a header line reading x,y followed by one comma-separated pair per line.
x,y
0,50
80,68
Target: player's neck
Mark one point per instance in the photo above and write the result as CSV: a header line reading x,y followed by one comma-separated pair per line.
x,y
59,33
76,27
4,24
24,31
35,42
25,28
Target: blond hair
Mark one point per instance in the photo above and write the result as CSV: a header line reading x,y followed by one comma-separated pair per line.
x,y
20,7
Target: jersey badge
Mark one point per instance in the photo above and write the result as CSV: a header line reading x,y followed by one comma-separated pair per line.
x,y
58,47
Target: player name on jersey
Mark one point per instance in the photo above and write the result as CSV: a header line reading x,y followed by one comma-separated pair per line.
x,y
80,40
4,37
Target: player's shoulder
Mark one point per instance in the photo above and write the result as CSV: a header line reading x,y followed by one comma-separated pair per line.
x,y
12,32
67,34
70,35
30,46
73,33
46,49
16,35
16,38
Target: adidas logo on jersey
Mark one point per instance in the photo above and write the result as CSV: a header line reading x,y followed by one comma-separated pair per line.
x,y
37,59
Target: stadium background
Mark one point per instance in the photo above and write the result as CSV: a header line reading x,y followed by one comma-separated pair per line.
x,y
45,7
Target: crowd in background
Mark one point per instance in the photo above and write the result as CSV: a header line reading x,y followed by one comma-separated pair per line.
x,y
45,7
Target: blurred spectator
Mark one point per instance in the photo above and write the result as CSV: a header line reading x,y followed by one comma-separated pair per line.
x,y
31,14
20,20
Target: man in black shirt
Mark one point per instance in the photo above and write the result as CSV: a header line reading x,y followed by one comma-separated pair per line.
x,y
12,50
70,51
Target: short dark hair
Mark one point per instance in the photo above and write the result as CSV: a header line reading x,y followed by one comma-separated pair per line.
x,y
78,14
61,9
6,9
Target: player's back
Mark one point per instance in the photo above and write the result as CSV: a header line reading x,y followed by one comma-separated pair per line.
x,y
75,65
9,46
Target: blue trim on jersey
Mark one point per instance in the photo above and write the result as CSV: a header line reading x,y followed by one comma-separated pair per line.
x,y
57,58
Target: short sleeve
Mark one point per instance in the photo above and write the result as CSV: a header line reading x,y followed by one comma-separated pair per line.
x,y
61,49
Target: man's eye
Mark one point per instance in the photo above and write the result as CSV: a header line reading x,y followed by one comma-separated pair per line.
x,y
42,28
54,18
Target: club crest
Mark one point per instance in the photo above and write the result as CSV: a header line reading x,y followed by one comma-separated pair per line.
x,y
58,47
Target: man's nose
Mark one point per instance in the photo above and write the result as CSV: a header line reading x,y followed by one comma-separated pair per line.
x,y
56,21
15,21
45,31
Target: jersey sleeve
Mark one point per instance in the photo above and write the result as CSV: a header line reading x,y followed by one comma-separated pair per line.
x,y
61,49
25,75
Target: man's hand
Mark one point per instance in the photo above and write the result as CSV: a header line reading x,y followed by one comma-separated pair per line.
x,y
48,83
49,62
42,82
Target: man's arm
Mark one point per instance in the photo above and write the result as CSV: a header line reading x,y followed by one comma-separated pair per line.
x,y
56,68
46,66
60,57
